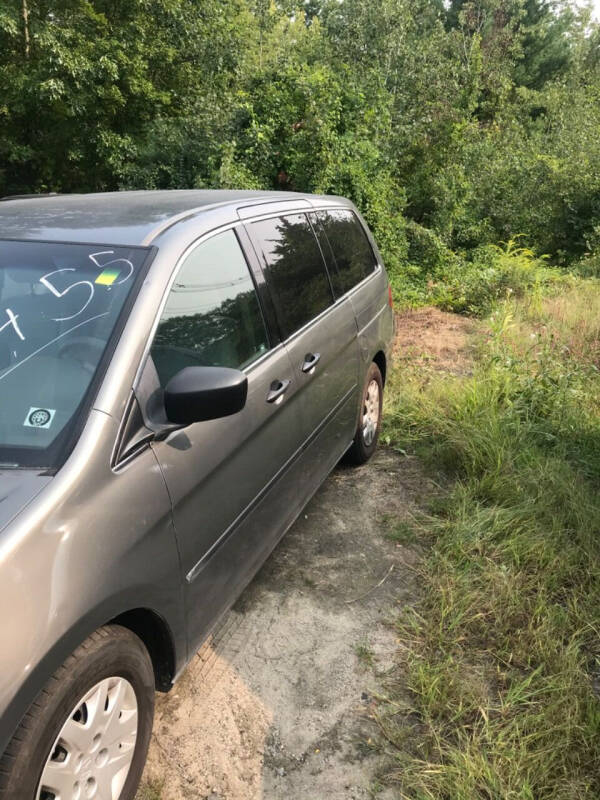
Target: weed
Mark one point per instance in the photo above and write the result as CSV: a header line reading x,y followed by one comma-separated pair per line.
x,y
308,581
476,284
150,790
365,654
402,532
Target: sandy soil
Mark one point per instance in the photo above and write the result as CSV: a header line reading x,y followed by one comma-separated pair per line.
x,y
277,704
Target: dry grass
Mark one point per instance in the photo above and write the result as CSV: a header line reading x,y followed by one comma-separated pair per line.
x,y
570,321
428,337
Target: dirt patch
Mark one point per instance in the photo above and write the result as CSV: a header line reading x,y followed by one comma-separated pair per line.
x,y
278,703
437,339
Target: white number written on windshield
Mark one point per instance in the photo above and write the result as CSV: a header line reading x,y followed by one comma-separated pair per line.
x,y
12,320
45,282
114,272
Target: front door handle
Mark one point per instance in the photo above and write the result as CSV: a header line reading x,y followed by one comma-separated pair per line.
x,y
310,362
277,390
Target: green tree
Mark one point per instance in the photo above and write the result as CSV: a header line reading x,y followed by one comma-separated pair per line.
x,y
83,81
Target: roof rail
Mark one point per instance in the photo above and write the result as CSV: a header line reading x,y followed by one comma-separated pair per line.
x,y
27,196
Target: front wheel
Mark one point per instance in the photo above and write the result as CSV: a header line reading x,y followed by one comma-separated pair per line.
x,y
369,423
86,735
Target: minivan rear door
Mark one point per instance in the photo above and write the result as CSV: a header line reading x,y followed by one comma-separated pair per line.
x,y
319,334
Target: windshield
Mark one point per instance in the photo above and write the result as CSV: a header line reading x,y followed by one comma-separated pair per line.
x,y
59,305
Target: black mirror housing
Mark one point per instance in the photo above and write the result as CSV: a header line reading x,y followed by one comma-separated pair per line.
x,y
197,394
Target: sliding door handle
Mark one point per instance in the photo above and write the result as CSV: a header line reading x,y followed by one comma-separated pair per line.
x,y
310,362
277,390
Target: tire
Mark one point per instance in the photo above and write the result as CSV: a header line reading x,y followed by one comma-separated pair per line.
x,y
112,672
365,440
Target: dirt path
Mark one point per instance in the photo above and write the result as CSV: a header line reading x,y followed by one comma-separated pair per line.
x,y
277,705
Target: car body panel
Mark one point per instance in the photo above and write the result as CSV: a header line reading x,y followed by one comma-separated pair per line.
x,y
130,218
17,490
112,217
375,321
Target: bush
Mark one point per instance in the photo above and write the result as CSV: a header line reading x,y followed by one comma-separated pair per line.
x,y
435,275
492,274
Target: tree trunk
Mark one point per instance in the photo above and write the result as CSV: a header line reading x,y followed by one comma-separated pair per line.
x,y
25,27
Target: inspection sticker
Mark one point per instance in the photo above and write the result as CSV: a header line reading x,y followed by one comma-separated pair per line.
x,y
107,277
39,417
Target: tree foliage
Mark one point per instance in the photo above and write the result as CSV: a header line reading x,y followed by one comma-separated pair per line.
x,y
463,125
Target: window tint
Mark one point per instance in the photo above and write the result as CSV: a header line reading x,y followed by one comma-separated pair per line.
x,y
212,316
351,249
294,269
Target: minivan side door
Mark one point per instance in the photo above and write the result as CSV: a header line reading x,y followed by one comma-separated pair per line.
x,y
229,488
319,333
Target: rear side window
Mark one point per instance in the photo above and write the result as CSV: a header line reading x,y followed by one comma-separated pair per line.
x,y
294,269
212,316
351,250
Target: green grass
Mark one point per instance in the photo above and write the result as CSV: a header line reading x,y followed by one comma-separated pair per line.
x,y
400,531
498,686
150,790
365,654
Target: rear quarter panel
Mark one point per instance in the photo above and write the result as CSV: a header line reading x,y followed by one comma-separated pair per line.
x,y
374,315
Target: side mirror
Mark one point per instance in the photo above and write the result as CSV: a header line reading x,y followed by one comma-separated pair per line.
x,y
197,394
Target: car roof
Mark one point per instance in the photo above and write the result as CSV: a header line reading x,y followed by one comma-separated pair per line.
x,y
131,218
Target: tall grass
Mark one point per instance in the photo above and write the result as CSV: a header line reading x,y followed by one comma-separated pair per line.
x,y
497,695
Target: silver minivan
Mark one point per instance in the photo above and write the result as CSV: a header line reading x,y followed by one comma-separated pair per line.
x,y
179,372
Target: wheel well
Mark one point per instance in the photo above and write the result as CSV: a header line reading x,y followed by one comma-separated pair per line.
x,y
379,359
155,634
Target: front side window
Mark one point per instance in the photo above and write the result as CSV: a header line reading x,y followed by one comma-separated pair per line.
x,y
294,269
350,247
59,307
212,316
